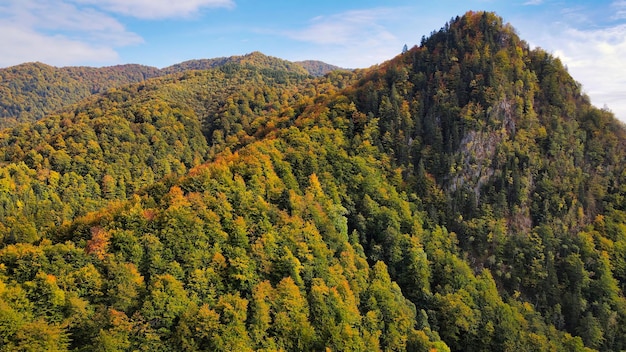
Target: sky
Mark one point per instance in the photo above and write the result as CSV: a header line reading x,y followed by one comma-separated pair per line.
x,y
589,36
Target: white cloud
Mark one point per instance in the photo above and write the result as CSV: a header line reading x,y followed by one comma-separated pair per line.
x,y
58,32
620,10
590,43
64,18
70,32
23,45
342,28
595,58
356,38
157,9
534,2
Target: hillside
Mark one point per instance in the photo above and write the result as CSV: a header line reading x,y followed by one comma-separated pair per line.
x,y
318,68
112,145
254,59
30,91
463,196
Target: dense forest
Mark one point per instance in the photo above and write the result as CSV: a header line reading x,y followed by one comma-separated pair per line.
x,y
30,91
463,196
318,68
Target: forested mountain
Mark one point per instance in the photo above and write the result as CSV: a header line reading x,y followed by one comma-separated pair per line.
x,y
30,91
113,144
462,196
318,68
255,59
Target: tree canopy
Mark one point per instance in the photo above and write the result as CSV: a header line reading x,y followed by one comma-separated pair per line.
x,y
463,196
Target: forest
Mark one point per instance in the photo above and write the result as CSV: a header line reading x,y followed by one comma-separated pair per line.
x,y
33,90
463,196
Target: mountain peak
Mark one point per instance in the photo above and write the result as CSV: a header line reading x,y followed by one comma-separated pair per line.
x,y
473,30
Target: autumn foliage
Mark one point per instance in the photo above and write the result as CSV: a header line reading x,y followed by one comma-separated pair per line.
x,y
463,196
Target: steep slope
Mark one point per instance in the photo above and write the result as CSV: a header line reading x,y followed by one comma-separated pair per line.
x,y
463,196
504,150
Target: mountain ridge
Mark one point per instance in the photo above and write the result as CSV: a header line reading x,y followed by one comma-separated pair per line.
x,y
31,90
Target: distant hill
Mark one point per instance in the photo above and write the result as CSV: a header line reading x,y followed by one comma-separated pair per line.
x,y
253,59
318,68
30,91
312,67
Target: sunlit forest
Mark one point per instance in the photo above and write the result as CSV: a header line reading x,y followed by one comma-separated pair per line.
x,y
462,196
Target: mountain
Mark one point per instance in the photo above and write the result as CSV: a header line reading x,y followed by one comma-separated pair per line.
x,y
254,59
111,145
30,91
318,68
462,196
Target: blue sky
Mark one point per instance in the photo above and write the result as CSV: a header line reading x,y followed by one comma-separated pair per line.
x,y
589,36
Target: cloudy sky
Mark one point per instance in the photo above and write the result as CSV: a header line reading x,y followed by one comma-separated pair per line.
x,y
589,36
